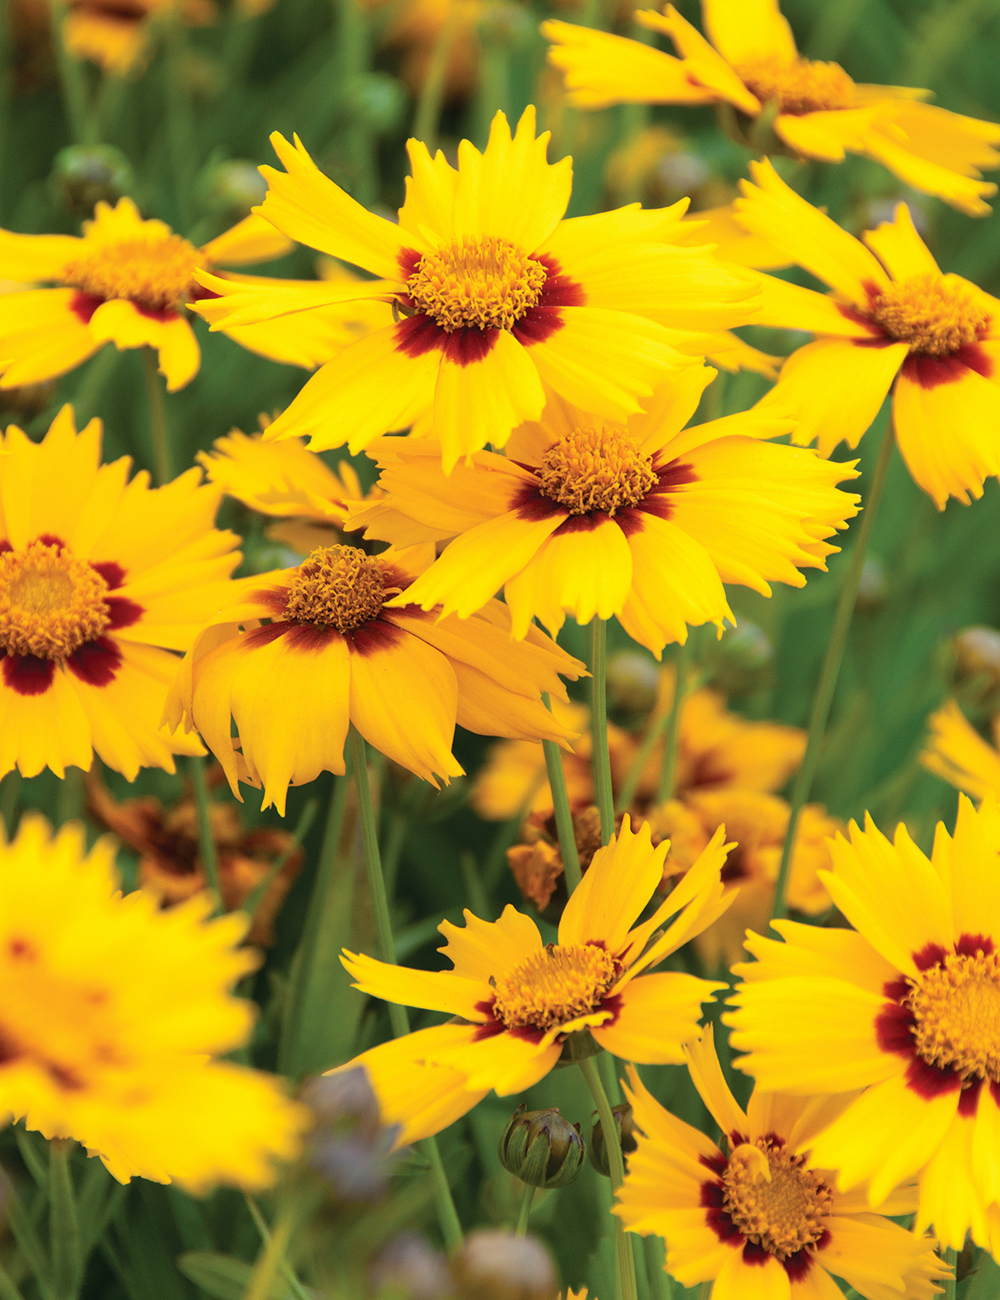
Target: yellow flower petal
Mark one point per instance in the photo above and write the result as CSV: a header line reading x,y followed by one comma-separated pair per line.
x,y
614,890
29,258
704,65
658,1015
479,948
41,336
748,30
433,990
899,248
251,240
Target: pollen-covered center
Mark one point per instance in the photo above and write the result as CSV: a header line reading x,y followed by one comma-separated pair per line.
x,y
798,87
337,586
772,1200
596,469
935,314
956,1007
50,602
157,274
554,986
479,283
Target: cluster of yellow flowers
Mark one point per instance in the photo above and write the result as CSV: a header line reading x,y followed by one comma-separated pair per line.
x,y
545,372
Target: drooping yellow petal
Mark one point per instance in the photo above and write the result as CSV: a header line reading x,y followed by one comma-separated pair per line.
x,y
659,1014
251,240
704,65
749,30
707,1076
504,1062
122,323
959,754
41,336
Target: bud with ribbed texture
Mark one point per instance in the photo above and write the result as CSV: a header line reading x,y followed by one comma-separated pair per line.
x,y
625,1123
633,678
541,1148
82,175
495,1265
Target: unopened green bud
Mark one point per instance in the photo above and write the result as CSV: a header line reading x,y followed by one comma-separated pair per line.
x,y
376,99
231,188
873,589
494,1265
82,175
632,681
541,1148
977,657
625,1121
742,662
506,26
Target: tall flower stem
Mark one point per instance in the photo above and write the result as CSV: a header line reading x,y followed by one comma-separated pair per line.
x,y
451,1228
181,132
661,1285
668,771
206,840
524,1214
563,815
625,1288
599,726
162,459
72,81
64,1226
431,100
830,670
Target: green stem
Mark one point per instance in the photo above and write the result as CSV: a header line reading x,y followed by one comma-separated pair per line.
x,y
661,1286
451,1228
626,1289
254,899
87,398
431,100
830,670
563,815
8,1291
657,726
309,969
181,135
353,58
395,837
265,1235
72,82
271,1260
599,727
949,1257
473,882
64,1228
10,789
524,1214
206,840
669,769
162,460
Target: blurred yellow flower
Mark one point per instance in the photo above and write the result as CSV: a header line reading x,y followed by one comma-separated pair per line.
x,y
495,296
815,109
761,1216
100,579
320,648
113,1011
126,281
903,1007
893,322
116,36
958,753
518,1000
643,521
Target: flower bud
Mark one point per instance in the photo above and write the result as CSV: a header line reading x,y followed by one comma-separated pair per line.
x,y
495,1265
230,189
625,1122
873,589
542,1148
977,656
632,681
743,661
407,1268
376,99
82,175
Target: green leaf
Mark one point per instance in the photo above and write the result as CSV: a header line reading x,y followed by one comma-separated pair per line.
x,y
226,1278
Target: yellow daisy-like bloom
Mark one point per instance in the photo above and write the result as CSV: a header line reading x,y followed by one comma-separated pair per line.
x,y
643,521
818,111
494,293
112,1012
907,1007
116,36
893,322
286,480
958,753
520,1000
758,823
761,1216
320,649
126,281
100,578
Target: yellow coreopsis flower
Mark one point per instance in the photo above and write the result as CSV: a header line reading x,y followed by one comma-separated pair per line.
x,y
495,296
126,281
116,36
320,648
905,1007
816,109
958,753
893,322
113,1011
761,1216
642,521
100,579
519,1000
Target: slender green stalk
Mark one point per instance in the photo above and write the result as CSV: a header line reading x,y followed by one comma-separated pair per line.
x,y
309,968
661,1286
8,1291
65,1250
265,1235
353,56
181,134
395,837
271,1260
10,789
160,434
830,670
657,726
599,726
72,82
451,1228
950,1257
626,1289
668,771
254,899
473,882
524,1214
431,100
563,815
206,840
71,796
87,398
